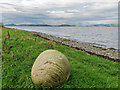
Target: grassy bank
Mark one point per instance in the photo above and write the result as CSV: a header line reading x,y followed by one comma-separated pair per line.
x,y
0,57
20,49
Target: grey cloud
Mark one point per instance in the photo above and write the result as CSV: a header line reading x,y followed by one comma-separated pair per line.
x,y
76,13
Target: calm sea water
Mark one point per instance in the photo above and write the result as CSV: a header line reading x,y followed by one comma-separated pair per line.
x,y
106,37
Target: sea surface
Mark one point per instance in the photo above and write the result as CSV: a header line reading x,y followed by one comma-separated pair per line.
x,y
106,37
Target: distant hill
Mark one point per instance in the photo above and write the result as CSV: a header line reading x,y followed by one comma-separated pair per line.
x,y
65,25
98,25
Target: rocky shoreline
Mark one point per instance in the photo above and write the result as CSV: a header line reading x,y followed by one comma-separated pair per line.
x,y
110,54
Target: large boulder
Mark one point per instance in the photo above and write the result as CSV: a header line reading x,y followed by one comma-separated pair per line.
x,y
51,68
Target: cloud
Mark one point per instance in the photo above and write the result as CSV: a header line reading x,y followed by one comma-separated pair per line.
x,y
59,11
101,22
60,14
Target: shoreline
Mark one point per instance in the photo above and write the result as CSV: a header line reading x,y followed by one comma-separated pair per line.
x,y
111,54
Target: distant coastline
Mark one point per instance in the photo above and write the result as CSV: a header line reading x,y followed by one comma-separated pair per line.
x,y
64,25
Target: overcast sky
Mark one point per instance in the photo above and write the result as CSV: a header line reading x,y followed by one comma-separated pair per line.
x,y
59,11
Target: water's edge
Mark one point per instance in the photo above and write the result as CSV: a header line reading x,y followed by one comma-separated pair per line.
x,y
111,54
105,37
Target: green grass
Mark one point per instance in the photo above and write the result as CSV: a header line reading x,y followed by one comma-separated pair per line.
x,y
0,57
20,49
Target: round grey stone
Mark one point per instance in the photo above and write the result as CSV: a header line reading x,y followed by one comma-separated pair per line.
x,y
51,68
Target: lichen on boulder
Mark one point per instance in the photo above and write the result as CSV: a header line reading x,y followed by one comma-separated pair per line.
x,y
51,68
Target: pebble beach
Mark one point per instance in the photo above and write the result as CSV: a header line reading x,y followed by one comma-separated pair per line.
x,y
111,54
